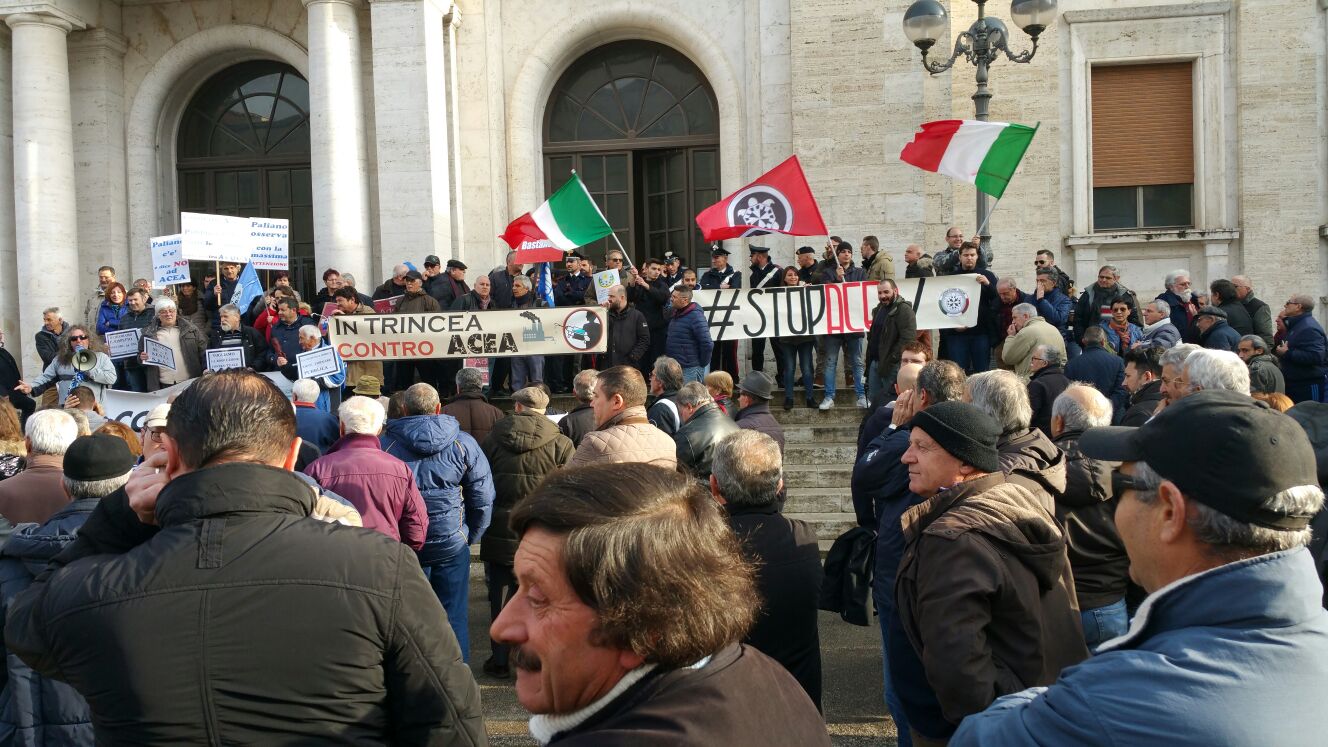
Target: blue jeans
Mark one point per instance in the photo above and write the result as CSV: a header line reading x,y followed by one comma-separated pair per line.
x,y
450,579
800,354
1104,623
694,373
527,370
892,701
852,348
970,352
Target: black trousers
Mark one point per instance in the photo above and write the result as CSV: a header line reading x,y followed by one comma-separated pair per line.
x,y
725,358
501,583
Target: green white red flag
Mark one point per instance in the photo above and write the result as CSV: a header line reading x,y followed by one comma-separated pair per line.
x,y
567,220
984,154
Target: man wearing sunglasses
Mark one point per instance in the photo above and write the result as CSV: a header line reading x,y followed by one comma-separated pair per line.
x,y
1215,498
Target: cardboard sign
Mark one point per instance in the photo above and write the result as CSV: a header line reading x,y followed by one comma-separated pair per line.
x,y
220,359
317,362
215,238
123,343
168,263
469,334
603,282
158,354
388,305
328,309
270,242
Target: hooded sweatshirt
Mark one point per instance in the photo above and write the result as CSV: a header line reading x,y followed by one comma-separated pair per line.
x,y
1030,459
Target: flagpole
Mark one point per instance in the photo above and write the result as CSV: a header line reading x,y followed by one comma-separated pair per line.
x,y
590,197
987,218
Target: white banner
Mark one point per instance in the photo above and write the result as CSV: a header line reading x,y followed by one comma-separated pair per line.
x,y
837,308
270,239
467,334
215,238
168,263
123,343
131,408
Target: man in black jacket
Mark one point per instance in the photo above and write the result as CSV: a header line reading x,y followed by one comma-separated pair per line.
x,y
754,407
747,479
1143,380
629,335
219,292
234,334
648,292
581,420
236,617
1226,297
704,425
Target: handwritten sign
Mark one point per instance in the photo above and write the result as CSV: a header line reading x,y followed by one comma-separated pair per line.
x,y
270,239
158,354
603,282
388,305
317,362
123,343
220,359
168,263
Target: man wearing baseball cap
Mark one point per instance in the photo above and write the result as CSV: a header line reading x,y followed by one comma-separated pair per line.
x,y
984,589
1231,646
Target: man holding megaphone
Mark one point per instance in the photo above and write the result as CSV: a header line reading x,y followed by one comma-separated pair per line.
x,y
81,361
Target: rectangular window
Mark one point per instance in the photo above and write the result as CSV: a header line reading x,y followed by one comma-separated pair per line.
x,y
1143,146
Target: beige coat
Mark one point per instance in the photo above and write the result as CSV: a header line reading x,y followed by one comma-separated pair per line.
x,y
1018,351
627,437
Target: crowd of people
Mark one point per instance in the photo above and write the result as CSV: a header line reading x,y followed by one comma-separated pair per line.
x,y
1084,520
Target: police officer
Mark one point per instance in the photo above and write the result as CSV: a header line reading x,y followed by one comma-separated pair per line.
x,y
722,277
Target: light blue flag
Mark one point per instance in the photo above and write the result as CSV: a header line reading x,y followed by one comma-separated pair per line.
x,y
544,286
247,289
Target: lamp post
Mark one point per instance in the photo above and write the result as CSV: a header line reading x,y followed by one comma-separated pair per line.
x,y
981,45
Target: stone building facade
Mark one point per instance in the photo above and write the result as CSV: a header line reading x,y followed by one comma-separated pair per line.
x,y
401,128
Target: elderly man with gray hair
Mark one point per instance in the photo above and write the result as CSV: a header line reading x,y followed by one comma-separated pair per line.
x,y
188,345
1046,384
1028,331
329,398
37,492
1027,456
1159,331
704,425
747,475
1265,373
1214,369
1304,351
1182,300
581,420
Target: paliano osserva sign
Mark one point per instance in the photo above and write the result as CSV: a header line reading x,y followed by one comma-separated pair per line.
x,y
837,308
467,334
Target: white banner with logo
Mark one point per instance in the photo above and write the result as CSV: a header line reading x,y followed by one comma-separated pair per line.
x,y
837,308
131,408
468,334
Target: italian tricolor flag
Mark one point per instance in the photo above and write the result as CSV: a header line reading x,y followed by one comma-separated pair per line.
x,y
984,154
570,218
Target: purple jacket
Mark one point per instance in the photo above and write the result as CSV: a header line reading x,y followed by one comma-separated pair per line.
x,y
380,486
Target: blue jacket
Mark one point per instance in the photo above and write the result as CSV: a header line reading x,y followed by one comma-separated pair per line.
x,y
33,709
453,476
317,426
689,340
1220,336
1306,358
1179,316
1104,370
1114,341
1233,656
109,316
1055,307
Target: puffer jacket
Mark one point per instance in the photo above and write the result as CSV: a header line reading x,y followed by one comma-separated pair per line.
x,y
698,437
1087,510
109,316
379,486
1266,374
1029,459
521,450
985,596
214,616
452,475
35,710
1143,404
689,340
627,437
1220,336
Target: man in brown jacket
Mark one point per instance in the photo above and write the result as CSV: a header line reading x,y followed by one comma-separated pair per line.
x,y
469,406
623,434
37,492
984,589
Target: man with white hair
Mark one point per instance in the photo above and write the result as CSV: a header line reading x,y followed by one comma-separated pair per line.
x,y
314,426
581,420
1026,332
1265,373
37,492
1027,456
1159,330
393,286
1183,302
1086,510
188,345
1214,369
380,486
1173,369
329,398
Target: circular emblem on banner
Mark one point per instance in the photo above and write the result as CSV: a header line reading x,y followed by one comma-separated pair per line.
x,y
953,302
582,330
762,207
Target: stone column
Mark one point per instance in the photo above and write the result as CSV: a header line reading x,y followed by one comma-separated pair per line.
x,y
337,140
15,341
46,218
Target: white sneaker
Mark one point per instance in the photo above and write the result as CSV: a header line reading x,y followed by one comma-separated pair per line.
x,y
827,403
862,403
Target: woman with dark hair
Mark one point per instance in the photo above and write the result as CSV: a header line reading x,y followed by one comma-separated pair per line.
x,y
797,349
112,309
331,282
190,306
62,374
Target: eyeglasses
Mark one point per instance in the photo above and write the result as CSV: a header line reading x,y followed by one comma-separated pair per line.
x,y
954,236
156,434
1039,360
78,337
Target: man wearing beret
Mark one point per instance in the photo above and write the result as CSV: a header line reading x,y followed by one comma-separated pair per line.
x,y
984,590
1231,645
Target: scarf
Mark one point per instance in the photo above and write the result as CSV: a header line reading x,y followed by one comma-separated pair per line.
x,y
1123,331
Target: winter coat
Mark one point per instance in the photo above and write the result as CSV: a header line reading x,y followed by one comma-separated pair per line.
x,y
1029,459
108,316
1143,404
629,337
689,340
1243,647
653,303
846,587
1262,318
1094,307
1114,342
697,438
1306,358
577,423
985,595
1044,387
1161,335
389,289
570,290
247,339
444,290
663,413
879,266
48,343
1182,311
379,486
757,417
61,375
923,268
500,284
139,321
988,304
1087,510
209,298
452,475
472,302
1018,350
522,449
1055,307
316,426
627,437
474,413
738,696
712,279
215,615
1220,336
418,303
193,349
35,710
1266,374
892,327
787,557
1238,316
1104,370
357,369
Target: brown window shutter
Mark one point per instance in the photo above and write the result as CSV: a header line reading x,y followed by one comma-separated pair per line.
x,y
1143,124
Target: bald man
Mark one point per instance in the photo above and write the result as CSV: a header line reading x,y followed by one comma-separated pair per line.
x,y
873,425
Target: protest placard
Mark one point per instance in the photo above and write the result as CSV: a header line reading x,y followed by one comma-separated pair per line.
x,y
468,334
317,362
158,354
123,343
270,239
603,282
215,238
220,359
328,309
168,263
387,305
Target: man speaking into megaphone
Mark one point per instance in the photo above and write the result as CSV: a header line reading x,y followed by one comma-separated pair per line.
x,y
80,361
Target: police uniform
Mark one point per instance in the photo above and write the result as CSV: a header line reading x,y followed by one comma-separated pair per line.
x,y
725,355
770,276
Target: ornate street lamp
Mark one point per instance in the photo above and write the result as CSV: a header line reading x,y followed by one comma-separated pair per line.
x,y
981,45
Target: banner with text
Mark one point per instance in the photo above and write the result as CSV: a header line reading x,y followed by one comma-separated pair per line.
x,y
168,263
131,408
270,238
467,334
746,313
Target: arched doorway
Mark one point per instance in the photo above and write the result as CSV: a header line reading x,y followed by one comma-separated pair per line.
x,y
639,122
243,149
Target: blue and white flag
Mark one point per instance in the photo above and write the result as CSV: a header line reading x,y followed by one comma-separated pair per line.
x,y
544,286
247,288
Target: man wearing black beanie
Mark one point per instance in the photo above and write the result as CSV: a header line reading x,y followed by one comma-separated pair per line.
x,y
984,590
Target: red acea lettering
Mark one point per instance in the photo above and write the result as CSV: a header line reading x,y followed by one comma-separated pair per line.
x,y
834,302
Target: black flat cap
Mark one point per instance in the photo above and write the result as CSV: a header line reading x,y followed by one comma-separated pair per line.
x,y
101,457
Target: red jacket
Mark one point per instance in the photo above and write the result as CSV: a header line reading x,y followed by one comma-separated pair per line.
x,y
380,486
